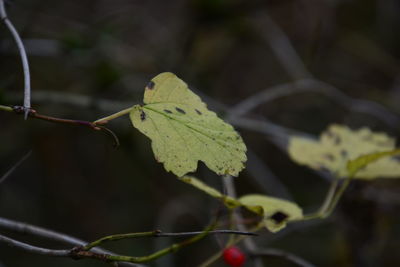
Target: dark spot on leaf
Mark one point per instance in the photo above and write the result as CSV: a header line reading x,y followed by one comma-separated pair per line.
x,y
329,157
150,85
167,111
322,168
329,133
198,112
180,110
142,115
367,137
387,143
337,140
343,153
279,217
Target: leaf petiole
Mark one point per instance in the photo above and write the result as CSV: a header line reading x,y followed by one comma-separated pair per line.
x,y
113,116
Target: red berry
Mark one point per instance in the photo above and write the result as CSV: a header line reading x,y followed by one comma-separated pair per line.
x,y
234,257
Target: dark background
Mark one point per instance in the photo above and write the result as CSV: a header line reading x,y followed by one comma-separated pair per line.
x,y
84,52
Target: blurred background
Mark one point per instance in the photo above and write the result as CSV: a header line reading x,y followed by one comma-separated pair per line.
x,y
315,62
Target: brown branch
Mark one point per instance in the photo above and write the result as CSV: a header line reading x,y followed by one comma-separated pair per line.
x,y
34,114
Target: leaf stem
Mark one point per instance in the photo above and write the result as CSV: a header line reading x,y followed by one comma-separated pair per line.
x,y
337,196
332,198
6,108
329,196
113,116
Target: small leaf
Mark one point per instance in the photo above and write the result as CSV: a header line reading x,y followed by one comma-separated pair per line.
x,y
353,166
183,131
338,145
228,201
276,212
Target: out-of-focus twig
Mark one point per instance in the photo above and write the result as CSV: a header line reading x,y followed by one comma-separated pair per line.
x,y
273,35
319,87
14,167
264,178
270,252
24,58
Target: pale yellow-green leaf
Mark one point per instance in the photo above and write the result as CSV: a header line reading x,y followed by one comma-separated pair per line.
x,y
183,131
338,145
276,212
353,166
228,201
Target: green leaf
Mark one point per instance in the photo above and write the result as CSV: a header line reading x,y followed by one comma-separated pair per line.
x,y
353,166
276,212
228,201
338,145
183,131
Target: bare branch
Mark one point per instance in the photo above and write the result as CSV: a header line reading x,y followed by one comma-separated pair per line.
x,y
13,168
230,232
24,58
158,233
315,86
281,46
34,114
283,254
25,228
34,249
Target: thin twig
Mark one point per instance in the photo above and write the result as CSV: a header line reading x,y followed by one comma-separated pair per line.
x,y
34,249
82,249
158,233
280,45
314,86
24,58
82,252
270,252
34,114
248,242
24,228
230,232
13,168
